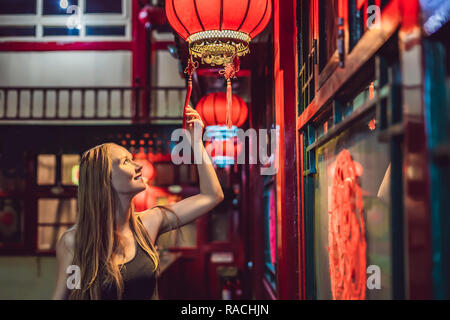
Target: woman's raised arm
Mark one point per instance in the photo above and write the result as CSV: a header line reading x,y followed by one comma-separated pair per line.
x,y
211,194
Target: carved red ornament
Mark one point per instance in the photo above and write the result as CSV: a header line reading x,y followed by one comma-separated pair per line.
x,y
346,231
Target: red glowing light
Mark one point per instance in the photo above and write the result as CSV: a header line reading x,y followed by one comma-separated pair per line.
x,y
371,91
225,148
212,109
7,218
372,124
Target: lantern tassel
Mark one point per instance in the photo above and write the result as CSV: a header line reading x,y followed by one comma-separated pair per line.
x,y
229,72
186,102
229,120
192,65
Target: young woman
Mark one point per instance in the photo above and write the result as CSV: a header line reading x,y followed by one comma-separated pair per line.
x,y
113,246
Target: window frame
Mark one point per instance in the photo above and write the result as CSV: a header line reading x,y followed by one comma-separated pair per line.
x,y
87,19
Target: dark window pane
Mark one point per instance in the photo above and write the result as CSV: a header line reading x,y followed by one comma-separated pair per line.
x,y
164,174
60,31
52,7
13,31
328,14
270,239
97,6
356,23
17,6
219,225
105,30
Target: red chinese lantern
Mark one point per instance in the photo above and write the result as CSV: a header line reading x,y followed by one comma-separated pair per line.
x,y
218,32
212,109
229,148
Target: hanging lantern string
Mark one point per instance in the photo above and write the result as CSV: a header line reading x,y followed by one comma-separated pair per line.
x,y
229,72
192,65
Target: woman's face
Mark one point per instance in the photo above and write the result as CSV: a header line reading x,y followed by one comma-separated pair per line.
x,y
126,174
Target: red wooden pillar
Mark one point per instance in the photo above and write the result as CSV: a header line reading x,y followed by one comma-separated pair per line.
x,y
415,162
285,54
141,66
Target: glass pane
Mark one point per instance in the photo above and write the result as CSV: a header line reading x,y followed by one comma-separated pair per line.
x,y
328,30
18,7
57,210
184,171
356,23
60,31
102,6
46,169
270,237
219,220
69,174
11,220
194,174
48,236
334,189
105,30
164,174
57,7
13,31
223,174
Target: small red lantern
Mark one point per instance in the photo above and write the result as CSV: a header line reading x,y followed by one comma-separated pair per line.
x,y
224,152
218,32
7,218
151,16
212,109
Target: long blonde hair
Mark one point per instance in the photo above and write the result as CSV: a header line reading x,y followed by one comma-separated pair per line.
x,y
96,240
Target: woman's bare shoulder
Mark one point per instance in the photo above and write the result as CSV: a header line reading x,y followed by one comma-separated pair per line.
x,y
149,214
67,241
151,219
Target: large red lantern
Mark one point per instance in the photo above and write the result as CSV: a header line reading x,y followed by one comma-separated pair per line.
x,y
218,32
212,109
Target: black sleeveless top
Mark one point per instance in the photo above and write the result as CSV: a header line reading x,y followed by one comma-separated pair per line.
x,y
139,278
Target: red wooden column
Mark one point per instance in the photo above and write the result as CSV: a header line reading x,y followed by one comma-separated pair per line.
x,y
141,64
285,67
415,162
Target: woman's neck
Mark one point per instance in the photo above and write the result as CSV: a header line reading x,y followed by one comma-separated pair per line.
x,y
123,215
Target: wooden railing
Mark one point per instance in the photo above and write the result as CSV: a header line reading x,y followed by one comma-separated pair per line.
x,y
136,104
